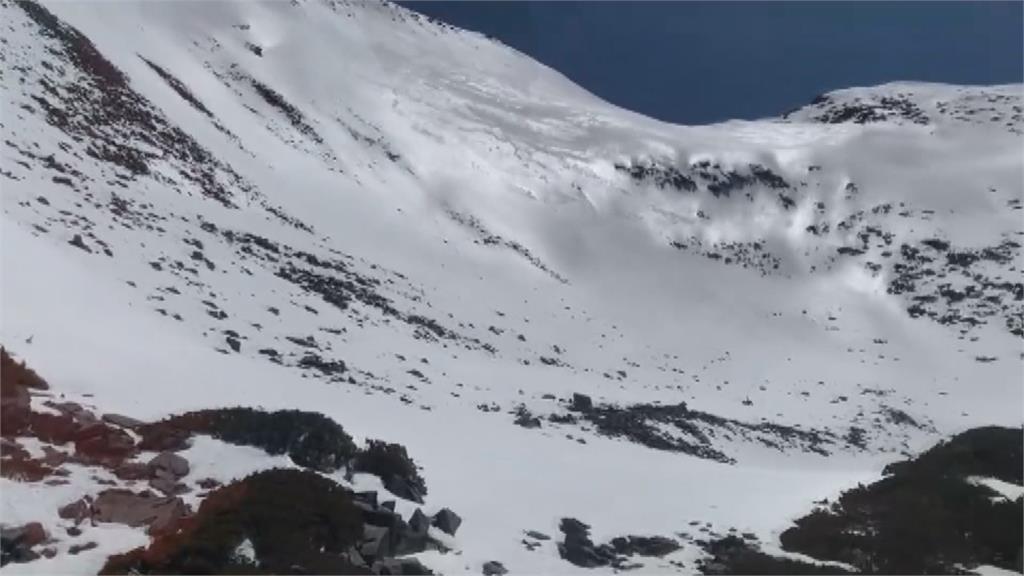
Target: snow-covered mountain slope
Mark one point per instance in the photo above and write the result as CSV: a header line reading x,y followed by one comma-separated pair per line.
x,y
346,208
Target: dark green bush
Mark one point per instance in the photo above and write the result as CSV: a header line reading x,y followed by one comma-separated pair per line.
x,y
388,461
296,520
312,440
924,517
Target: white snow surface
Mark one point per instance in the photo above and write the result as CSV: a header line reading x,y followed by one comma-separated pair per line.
x,y
411,122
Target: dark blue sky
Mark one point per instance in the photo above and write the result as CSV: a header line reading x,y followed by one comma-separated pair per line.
x,y
700,62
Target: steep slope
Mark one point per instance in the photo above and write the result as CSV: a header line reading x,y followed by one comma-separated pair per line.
x,y
348,209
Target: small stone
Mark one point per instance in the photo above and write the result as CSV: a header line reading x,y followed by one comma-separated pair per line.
x,y
494,568
75,549
77,242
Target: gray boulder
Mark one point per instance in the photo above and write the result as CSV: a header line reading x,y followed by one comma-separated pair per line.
x,y
170,463
447,521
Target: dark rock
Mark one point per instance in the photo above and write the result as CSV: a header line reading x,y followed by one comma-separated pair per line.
x,y
403,489
525,418
400,566
376,542
16,543
581,402
356,559
578,549
27,535
562,418
644,545
494,568
446,521
77,548
419,522
77,242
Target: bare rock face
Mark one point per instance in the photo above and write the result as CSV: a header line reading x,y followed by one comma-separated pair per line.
x,y
138,509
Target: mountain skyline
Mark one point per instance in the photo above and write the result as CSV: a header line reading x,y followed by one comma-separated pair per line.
x,y
706,62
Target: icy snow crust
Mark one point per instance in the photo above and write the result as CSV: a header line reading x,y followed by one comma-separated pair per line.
x,y
502,235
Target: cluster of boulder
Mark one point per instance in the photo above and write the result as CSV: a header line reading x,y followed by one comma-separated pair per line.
x,y
272,521
387,535
288,520
577,547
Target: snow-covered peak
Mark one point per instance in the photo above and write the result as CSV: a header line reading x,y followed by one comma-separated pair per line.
x,y
919,103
